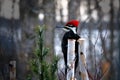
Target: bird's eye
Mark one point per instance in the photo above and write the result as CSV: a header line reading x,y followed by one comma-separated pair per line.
x,y
70,25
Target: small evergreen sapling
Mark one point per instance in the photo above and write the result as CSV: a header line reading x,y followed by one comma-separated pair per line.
x,y
40,68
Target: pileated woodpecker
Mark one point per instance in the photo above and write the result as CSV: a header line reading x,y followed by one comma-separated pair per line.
x,y
71,28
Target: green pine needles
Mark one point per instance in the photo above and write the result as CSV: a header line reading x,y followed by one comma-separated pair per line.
x,y
40,68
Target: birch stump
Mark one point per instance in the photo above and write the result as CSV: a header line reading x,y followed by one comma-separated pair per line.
x,y
12,70
71,59
82,61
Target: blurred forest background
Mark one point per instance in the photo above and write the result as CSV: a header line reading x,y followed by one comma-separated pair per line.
x,y
99,25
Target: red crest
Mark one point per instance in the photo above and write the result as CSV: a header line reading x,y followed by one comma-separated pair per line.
x,y
73,23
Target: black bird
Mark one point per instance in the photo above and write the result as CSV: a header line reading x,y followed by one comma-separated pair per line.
x,y
70,34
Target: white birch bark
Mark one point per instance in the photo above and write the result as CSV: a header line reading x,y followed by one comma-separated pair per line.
x,y
82,61
71,59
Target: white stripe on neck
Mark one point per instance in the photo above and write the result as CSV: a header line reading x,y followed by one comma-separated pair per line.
x,y
73,29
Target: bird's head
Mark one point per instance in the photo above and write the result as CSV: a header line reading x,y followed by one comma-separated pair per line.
x,y
72,25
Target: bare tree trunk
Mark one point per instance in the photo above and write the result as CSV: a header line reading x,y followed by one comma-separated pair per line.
x,y
82,61
74,12
12,70
112,73
49,22
91,57
118,64
9,31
